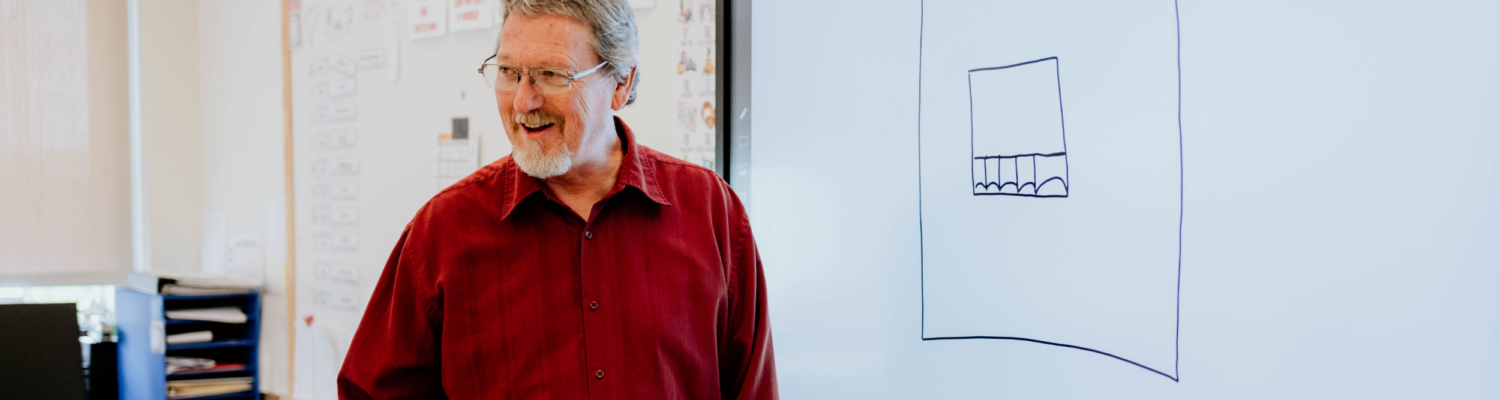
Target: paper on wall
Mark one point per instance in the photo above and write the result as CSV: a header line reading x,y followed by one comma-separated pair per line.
x,y
317,364
214,254
691,84
247,256
454,159
294,29
426,18
468,15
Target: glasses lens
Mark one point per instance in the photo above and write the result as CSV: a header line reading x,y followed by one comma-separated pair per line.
x,y
545,80
553,81
490,72
502,78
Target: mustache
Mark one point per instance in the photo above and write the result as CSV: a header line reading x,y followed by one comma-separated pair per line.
x,y
536,118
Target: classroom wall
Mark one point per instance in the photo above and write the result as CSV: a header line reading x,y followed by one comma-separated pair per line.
x,y
211,127
239,89
171,147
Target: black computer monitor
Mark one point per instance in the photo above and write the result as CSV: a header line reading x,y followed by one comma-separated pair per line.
x,y
40,356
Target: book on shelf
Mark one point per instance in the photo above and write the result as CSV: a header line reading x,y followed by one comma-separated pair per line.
x,y
191,337
186,388
232,315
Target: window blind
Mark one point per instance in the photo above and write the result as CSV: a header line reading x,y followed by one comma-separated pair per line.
x,y
64,143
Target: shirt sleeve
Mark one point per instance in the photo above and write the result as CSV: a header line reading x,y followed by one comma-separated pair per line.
x,y
395,352
748,368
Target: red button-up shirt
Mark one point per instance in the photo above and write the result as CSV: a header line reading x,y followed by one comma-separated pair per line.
x,y
497,290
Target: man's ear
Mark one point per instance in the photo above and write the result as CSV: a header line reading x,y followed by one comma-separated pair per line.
x,y
622,91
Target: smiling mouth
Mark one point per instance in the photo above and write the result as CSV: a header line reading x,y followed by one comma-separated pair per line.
x,y
537,128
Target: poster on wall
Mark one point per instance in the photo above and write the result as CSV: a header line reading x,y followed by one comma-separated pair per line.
x,y
469,15
692,82
426,18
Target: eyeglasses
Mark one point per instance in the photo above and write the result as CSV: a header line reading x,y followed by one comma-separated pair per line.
x,y
547,80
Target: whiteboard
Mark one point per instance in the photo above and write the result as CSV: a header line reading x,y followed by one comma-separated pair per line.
x,y
370,97
1277,199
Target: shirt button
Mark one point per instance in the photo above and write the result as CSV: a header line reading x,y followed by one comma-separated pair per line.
x,y
593,305
588,234
599,374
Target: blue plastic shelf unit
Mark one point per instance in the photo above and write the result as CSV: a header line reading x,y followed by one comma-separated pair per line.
x,y
142,320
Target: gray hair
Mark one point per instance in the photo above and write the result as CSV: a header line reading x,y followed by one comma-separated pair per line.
x,y
615,39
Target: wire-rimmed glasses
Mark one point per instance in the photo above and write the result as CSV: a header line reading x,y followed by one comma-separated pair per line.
x,y
546,80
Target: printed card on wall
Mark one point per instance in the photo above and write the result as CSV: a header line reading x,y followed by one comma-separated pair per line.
x,y
468,15
457,155
692,82
426,18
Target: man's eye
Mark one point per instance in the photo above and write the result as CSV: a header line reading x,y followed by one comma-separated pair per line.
x,y
550,74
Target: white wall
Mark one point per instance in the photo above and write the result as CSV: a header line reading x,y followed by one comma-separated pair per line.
x,y
211,123
239,70
171,147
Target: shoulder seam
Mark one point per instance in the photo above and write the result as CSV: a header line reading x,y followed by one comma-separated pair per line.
x,y
466,182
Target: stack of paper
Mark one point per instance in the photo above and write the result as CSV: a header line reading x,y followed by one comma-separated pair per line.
x,y
198,291
191,337
194,285
231,315
207,387
183,365
179,364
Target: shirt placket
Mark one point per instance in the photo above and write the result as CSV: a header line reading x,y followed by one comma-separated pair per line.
x,y
594,303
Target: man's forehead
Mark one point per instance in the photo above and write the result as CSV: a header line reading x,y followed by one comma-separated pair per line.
x,y
554,39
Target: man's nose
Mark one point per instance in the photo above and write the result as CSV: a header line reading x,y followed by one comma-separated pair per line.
x,y
527,98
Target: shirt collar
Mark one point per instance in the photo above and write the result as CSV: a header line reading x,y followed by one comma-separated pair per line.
x,y
637,170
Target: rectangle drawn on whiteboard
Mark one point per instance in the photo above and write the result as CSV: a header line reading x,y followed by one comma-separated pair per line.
x,y
337,301
335,140
332,65
1009,251
336,167
335,241
328,114
336,272
336,191
341,64
334,89
370,59
339,216
1016,135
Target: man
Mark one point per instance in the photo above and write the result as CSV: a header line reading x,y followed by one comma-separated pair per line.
x,y
582,266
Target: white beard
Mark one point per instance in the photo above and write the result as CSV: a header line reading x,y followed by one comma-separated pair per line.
x,y
533,159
